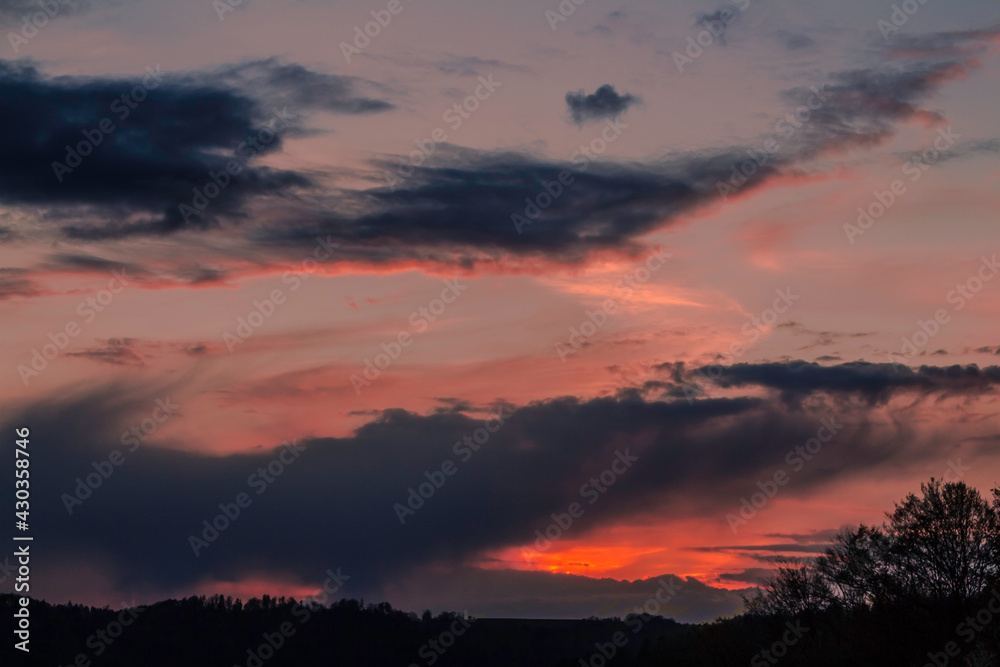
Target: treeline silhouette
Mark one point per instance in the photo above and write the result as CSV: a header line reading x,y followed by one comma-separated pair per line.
x,y
222,632
922,589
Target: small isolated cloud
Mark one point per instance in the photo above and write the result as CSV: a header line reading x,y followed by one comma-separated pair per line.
x,y
13,282
474,66
117,351
135,352
603,103
945,44
753,575
615,17
718,22
795,41
13,11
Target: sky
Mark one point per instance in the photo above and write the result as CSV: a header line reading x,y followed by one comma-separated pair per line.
x,y
524,308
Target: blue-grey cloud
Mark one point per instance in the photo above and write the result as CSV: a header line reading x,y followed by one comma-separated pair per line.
x,y
603,103
130,152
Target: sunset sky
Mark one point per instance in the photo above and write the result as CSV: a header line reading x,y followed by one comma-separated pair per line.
x,y
490,254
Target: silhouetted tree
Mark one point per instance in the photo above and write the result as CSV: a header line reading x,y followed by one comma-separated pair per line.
x,y
944,543
941,546
856,570
794,589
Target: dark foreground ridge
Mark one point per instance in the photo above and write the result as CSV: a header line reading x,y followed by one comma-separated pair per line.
x,y
219,632
271,632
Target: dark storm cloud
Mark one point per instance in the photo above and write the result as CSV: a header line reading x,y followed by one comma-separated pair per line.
x,y
603,103
875,382
334,506
462,206
462,209
465,210
168,133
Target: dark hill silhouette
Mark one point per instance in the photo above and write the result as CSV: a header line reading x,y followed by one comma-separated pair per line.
x,y
218,631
